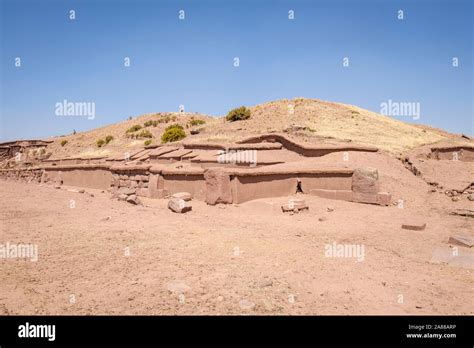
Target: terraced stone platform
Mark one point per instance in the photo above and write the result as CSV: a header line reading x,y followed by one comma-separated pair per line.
x,y
265,166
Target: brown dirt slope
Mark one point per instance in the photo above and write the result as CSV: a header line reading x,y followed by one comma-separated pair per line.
x,y
308,120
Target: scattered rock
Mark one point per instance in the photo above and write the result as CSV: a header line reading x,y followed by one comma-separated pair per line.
x,y
82,191
322,218
462,212
132,199
466,241
294,205
414,226
455,199
471,197
330,209
91,194
246,304
57,186
122,197
265,283
179,205
185,196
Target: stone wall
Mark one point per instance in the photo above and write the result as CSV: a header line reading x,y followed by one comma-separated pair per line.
x,y
27,175
80,175
130,182
460,153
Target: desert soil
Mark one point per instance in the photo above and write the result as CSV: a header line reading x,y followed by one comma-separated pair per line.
x,y
108,257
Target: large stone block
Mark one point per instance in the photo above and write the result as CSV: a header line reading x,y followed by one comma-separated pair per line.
x,y
365,180
218,187
124,183
179,205
153,186
44,176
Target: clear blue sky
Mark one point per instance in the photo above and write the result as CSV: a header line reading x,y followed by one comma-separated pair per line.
x,y
190,62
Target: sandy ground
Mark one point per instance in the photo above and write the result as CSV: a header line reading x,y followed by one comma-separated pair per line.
x,y
107,257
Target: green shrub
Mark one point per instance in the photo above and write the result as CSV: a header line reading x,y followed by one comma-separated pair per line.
x,y
108,139
100,142
63,142
148,123
238,114
147,142
134,128
145,134
172,133
194,122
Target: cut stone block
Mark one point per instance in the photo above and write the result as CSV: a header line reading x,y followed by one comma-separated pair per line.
x,y
463,212
381,198
467,241
124,183
414,226
132,199
122,197
44,176
186,196
453,257
218,186
153,185
179,205
294,204
365,180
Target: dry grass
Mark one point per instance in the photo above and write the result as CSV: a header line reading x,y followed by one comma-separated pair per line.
x,y
324,121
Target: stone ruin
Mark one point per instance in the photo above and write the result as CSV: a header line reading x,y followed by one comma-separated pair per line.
x,y
269,165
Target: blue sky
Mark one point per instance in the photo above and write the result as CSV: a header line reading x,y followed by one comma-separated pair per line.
x,y
190,62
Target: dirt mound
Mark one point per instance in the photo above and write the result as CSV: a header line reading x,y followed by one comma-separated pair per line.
x,y
308,120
